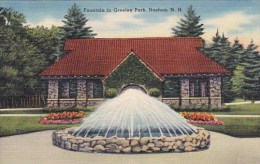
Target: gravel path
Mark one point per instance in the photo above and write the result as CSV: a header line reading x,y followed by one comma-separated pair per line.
x,y
36,148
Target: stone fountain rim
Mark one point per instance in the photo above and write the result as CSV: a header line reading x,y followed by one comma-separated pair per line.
x,y
186,143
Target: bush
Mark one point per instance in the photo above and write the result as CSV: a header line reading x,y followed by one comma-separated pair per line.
x,y
111,93
155,92
68,109
200,108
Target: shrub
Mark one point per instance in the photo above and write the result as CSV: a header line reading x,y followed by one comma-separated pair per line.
x,y
155,92
200,108
111,93
69,109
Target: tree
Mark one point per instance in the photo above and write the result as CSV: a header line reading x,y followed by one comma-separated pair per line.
x,y
238,81
238,52
190,26
20,62
213,50
46,41
74,27
220,51
251,63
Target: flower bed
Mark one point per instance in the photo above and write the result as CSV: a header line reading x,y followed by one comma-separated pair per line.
x,y
63,118
201,118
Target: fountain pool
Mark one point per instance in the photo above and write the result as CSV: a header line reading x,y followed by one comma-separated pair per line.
x,y
133,122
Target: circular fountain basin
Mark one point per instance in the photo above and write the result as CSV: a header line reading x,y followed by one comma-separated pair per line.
x,y
185,143
133,122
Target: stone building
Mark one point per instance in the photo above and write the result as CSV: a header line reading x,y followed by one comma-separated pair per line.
x,y
175,66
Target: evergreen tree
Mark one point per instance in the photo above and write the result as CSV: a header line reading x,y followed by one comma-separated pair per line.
x,y
251,63
190,26
220,51
238,52
238,81
74,27
213,50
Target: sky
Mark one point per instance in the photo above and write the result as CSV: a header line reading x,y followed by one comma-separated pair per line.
x,y
235,18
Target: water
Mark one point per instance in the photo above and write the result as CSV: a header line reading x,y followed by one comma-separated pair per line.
x,y
134,114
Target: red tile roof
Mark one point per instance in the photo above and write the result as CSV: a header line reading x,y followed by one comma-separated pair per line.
x,y
99,56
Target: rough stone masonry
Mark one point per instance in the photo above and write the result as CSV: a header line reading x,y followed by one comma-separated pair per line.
x,y
64,139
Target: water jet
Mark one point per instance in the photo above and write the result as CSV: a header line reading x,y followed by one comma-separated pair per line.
x,y
133,122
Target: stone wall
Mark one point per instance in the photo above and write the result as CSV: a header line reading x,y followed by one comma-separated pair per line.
x,y
65,89
81,93
81,89
203,89
67,102
53,89
94,102
64,139
215,91
184,92
199,101
191,89
53,95
90,86
171,101
52,103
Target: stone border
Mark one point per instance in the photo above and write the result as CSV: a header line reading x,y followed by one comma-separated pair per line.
x,y
64,139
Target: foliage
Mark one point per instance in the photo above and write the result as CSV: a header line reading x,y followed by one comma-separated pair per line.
x,y
220,51
69,109
190,26
132,70
74,27
238,52
155,92
251,63
46,41
111,92
238,81
20,61
200,108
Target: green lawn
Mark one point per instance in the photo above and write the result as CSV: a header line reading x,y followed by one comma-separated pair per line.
x,y
237,127
239,100
242,109
20,125
22,112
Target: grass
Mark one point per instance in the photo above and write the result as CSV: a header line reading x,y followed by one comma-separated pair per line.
x,y
21,125
44,111
242,109
237,127
236,100
22,112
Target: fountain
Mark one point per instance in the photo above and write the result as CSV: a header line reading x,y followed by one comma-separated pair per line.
x,y
133,122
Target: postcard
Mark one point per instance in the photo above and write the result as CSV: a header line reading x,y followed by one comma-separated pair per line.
x,y
129,82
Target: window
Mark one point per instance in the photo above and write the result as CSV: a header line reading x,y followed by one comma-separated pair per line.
x,y
171,88
97,89
198,88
